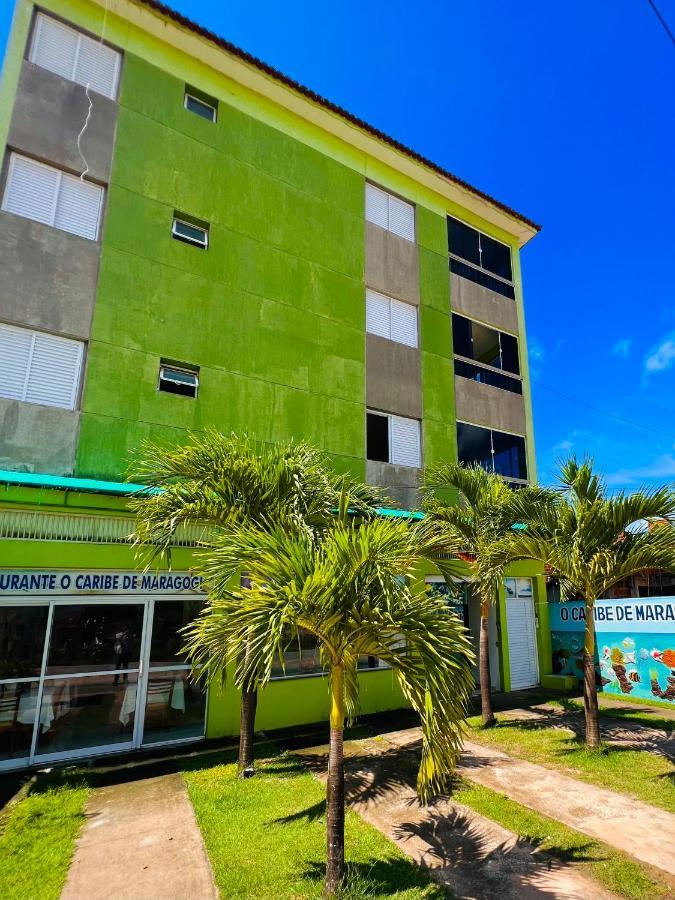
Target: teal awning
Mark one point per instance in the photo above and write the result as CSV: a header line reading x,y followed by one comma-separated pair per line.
x,y
65,483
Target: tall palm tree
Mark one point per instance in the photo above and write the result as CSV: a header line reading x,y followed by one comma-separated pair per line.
x,y
475,526
590,540
229,481
353,587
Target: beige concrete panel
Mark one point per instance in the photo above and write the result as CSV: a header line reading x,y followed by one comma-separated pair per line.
x,y
477,302
392,264
399,482
37,438
393,377
482,404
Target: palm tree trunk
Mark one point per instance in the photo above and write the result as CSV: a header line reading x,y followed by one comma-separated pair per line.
x,y
249,702
590,689
487,713
335,788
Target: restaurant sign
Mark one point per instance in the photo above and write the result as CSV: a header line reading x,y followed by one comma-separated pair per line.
x,y
56,583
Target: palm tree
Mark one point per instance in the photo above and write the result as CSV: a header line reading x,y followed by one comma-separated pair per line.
x,y
475,526
353,587
589,541
228,481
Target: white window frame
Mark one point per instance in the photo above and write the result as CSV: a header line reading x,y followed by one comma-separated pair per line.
x,y
391,417
392,302
391,199
60,177
39,19
188,240
185,370
77,373
191,96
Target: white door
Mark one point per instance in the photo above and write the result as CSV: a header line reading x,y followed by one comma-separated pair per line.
x,y
522,633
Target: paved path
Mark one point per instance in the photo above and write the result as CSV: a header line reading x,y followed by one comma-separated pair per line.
x,y
474,857
140,842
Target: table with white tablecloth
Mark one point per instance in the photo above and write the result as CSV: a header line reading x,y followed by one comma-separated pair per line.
x,y
177,699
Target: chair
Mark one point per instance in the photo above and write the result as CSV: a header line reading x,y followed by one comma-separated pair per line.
x,y
9,716
158,700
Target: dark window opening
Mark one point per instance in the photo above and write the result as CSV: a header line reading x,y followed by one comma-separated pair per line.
x,y
509,455
509,347
474,446
190,231
475,247
487,376
178,380
484,345
463,241
482,278
377,437
495,451
201,104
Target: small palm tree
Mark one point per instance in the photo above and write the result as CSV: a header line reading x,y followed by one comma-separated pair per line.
x,y
351,586
223,482
475,526
590,541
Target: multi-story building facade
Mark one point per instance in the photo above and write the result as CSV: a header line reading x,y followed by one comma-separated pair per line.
x,y
190,239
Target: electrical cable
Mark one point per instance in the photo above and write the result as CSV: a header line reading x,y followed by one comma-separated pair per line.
x,y
662,20
91,105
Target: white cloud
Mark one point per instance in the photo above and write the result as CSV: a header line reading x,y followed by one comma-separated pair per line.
x,y
662,467
663,357
622,347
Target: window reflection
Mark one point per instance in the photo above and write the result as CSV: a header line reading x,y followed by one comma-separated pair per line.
x,y
17,716
95,637
22,637
174,708
167,639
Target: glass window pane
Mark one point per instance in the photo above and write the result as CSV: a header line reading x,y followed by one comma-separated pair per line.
x,y
205,110
310,658
524,587
93,711
17,715
174,709
509,346
487,376
510,584
473,445
377,438
463,241
483,278
167,641
509,455
95,637
22,637
462,343
485,345
495,257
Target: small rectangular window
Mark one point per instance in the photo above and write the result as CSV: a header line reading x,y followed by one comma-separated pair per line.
x,y
390,318
45,194
377,437
178,380
390,212
200,105
75,56
190,233
39,368
393,439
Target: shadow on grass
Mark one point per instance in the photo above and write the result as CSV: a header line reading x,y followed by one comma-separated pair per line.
x,y
379,878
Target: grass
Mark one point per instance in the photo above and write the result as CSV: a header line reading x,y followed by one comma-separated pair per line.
x,y
37,839
266,838
638,773
626,714
613,869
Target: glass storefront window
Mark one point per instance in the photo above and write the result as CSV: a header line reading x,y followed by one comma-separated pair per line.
x,y
167,639
174,708
95,637
22,638
17,715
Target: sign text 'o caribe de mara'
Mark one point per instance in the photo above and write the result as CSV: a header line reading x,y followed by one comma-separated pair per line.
x,y
59,583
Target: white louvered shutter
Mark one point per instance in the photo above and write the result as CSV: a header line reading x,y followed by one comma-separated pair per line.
x,y
78,207
377,206
16,346
405,442
54,47
378,314
54,374
401,218
75,56
404,323
31,189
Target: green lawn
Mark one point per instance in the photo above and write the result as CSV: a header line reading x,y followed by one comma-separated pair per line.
x,y
266,837
37,839
609,709
639,773
616,871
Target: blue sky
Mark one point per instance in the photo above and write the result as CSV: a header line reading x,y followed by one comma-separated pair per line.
x,y
563,111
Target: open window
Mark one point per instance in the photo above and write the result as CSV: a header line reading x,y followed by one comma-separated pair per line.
x,y
201,104
190,231
182,380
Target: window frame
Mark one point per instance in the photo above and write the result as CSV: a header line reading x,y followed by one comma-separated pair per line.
x,y
391,301
480,268
498,370
184,239
390,422
491,431
390,195
165,364
191,95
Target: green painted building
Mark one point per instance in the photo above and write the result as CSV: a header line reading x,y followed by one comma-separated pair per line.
x,y
187,239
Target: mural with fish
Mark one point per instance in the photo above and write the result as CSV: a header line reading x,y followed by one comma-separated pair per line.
x,y
635,645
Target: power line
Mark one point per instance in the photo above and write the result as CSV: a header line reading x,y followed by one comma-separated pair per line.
x,y
662,20
604,412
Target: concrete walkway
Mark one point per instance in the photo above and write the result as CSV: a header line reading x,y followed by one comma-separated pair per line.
x,y
140,842
475,858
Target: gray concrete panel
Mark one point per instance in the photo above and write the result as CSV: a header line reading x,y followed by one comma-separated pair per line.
x,y
47,277
393,377
399,482
483,404
37,438
392,264
49,113
477,302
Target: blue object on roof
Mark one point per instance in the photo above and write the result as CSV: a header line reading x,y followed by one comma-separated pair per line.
x,y
66,483
398,513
